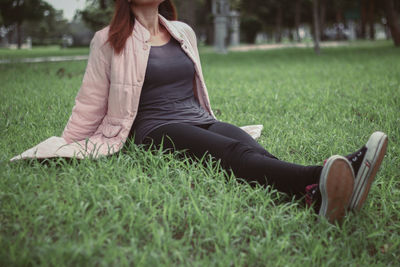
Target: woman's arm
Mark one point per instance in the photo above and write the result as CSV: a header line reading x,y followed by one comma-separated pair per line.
x,y
91,100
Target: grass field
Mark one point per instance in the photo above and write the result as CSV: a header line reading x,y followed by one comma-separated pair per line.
x,y
152,209
42,51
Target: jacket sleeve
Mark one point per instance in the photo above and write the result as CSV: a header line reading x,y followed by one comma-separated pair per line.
x,y
91,101
193,41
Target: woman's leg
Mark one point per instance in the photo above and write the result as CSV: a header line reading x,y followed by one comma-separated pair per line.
x,y
234,132
245,160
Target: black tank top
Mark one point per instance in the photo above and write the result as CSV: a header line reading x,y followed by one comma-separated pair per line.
x,y
167,94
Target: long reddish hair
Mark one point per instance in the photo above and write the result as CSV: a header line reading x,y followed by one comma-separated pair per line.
x,y
122,23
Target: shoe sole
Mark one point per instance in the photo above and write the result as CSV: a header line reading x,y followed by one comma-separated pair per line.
x,y
336,187
376,150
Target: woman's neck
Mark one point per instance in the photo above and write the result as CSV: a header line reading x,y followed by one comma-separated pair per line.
x,y
147,15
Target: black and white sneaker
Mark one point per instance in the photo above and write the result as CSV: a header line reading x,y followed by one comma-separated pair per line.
x,y
335,189
366,163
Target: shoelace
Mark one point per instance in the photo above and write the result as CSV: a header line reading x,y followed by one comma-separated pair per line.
x,y
311,191
354,159
356,156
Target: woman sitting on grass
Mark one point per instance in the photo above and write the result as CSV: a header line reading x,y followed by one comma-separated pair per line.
x,y
153,82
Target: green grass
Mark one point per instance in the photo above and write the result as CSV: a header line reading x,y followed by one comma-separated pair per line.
x,y
153,209
42,51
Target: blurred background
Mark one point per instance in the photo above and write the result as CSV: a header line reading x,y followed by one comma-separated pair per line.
x,y
221,23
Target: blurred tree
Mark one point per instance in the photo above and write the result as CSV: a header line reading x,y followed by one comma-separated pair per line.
x,y
297,19
277,17
250,25
48,30
15,12
363,31
97,13
278,20
207,19
197,13
256,14
371,19
272,16
316,26
335,17
187,10
392,20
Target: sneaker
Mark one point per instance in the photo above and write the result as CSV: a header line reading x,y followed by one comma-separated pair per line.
x,y
332,197
366,164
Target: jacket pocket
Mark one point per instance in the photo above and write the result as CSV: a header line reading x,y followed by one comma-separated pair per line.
x,y
111,130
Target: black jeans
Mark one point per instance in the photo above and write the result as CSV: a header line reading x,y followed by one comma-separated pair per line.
x,y
238,152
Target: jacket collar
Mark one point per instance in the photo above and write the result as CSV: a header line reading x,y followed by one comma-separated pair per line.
x,y
144,35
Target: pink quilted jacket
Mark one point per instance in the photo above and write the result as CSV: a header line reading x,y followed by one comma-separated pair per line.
x,y
107,102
